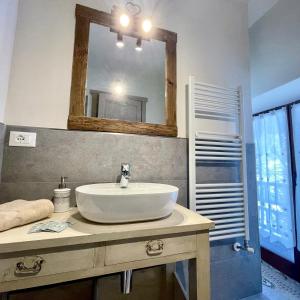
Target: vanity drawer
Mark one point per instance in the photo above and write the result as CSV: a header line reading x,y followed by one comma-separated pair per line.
x,y
117,253
43,264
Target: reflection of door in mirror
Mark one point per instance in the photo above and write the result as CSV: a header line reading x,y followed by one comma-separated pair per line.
x,y
101,104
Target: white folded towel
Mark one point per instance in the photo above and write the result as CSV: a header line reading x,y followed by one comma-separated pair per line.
x,y
20,212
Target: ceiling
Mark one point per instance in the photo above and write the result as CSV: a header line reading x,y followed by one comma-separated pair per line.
x,y
284,94
149,7
258,8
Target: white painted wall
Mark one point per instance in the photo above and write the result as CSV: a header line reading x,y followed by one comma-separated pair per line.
x,y
8,20
275,47
212,45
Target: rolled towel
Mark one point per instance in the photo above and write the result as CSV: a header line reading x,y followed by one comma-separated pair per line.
x,y
20,212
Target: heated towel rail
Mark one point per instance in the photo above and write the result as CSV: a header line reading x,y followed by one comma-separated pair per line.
x,y
216,136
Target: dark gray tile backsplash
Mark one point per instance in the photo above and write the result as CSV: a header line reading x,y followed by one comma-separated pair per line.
x,y
89,157
94,156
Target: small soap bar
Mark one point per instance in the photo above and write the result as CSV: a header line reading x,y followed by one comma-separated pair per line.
x,y
51,226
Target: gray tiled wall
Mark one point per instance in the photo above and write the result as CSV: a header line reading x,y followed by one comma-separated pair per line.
x,y
87,157
233,275
238,275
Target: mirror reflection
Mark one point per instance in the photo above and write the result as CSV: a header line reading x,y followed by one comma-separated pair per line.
x,y
125,77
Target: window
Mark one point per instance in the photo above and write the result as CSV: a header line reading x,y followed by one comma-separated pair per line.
x,y
296,136
274,183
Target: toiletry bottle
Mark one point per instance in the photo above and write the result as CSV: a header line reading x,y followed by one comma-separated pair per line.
x,y
61,199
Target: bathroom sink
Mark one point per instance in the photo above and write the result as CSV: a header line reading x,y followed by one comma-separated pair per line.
x,y
109,203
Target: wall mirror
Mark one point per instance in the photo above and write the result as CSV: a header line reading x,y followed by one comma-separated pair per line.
x,y
123,80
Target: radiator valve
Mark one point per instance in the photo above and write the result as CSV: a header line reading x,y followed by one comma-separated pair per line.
x,y
238,247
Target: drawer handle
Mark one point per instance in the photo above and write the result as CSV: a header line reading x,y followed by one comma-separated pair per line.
x,y
155,247
36,265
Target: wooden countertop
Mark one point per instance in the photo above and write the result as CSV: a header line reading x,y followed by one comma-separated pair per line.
x,y
84,232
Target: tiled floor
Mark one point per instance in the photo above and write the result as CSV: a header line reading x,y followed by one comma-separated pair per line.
x,y
277,286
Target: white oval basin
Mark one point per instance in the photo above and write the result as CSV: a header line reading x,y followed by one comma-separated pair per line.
x,y
108,203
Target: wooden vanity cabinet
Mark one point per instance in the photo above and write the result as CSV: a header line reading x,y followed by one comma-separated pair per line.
x,y
89,250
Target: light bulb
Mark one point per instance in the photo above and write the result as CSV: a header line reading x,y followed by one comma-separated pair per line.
x,y
147,25
118,88
124,20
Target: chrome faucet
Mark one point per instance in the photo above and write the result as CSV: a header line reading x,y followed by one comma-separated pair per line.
x,y
125,175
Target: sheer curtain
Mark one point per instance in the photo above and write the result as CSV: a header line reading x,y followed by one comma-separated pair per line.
x,y
274,180
296,132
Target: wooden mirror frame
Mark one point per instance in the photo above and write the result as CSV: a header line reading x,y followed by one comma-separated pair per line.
x,y
77,120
